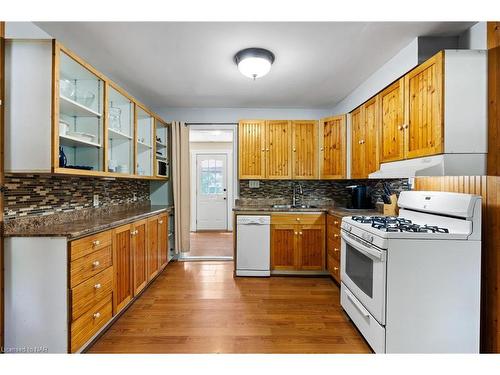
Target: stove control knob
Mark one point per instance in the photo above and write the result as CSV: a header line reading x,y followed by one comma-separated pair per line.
x,y
349,228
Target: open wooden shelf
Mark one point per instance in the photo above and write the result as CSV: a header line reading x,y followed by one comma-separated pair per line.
x,y
71,108
67,140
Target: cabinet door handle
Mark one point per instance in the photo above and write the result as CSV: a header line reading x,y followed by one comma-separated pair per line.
x,y
97,315
400,127
335,249
321,149
300,233
336,235
296,233
298,219
406,126
96,264
160,222
294,149
263,149
335,268
96,242
336,222
97,286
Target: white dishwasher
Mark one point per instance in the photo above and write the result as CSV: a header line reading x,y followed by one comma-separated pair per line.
x,y
253,240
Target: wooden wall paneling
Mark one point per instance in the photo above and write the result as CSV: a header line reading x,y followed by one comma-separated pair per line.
x,y
163,240
392,121
278,150
357,141
493,34
251,149
371,124
424,132
305,150
494,112
332,147
122,264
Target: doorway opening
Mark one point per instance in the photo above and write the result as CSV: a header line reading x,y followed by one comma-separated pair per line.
x,y
212,191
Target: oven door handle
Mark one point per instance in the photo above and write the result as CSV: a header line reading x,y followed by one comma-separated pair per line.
x,y
357,304
371,253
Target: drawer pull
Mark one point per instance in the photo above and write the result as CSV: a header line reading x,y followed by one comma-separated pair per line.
x,y
336,222
296,233
97,286
335,268
298,219
335,249
160,222
96,243
300,233
97,315
336,235
96,264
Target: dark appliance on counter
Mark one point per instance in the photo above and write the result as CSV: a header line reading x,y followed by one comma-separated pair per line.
x,y
359,197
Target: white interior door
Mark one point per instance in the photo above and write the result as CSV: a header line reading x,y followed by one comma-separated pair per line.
x,y
211,192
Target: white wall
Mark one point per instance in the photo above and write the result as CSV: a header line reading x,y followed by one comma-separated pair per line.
x,y
403,61
24,30
474,38
233,115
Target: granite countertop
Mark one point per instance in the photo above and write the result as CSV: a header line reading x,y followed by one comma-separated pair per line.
x,y
89,225
339,211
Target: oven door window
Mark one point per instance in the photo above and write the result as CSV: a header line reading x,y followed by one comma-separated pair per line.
x,y
359,268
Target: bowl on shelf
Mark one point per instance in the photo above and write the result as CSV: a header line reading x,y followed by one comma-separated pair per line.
x,y
66,88
85,97
83,136
63,127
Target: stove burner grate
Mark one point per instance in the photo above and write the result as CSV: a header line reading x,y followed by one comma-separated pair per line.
x,y
397,224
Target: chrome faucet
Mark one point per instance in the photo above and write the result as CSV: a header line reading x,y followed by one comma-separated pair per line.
x,y
294,196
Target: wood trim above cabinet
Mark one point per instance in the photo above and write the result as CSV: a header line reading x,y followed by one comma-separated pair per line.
x,y
332,148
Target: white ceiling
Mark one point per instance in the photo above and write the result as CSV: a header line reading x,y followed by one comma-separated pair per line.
x,y
174,64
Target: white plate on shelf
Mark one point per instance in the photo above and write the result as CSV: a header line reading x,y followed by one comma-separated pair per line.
x,y
83,136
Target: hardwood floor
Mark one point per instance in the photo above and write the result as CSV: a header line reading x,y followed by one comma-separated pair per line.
x,y
211,244
198,307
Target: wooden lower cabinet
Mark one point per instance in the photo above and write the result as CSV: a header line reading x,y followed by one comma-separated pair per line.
x,y
298,242
153,259
163,240
333,243
140,244
122,259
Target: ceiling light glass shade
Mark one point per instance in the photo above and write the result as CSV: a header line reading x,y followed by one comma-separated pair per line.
x,y
254,62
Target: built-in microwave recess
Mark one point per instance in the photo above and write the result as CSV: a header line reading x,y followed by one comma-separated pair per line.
x,y
161,169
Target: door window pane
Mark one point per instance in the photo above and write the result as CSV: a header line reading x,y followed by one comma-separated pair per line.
x,y
211,177
359,268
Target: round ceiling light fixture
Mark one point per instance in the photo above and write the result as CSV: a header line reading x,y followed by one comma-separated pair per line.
x,y
254,62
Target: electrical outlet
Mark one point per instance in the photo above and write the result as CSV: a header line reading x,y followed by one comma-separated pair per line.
x,y
134,197
96,200
254,184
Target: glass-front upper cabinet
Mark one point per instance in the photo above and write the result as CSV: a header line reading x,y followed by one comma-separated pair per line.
x,y
144,140
81,103
161,149
120,150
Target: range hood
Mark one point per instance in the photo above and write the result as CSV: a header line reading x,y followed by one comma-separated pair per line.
x,y
438,165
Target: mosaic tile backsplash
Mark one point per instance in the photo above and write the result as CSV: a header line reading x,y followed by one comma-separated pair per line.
x,y
316,192
29,195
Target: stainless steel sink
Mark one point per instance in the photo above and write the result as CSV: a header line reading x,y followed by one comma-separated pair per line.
x,y
289,206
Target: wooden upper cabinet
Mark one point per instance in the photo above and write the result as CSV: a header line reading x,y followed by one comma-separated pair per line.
x,y
392,112
332,147
305,150
251,149
424,131
122,266
278,150
371,136
357,140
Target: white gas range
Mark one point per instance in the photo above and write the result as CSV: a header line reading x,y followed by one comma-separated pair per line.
x,y
411,284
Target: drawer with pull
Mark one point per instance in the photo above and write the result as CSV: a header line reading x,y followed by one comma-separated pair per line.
x,y
333,249
333,266
87,245
90,322
334,221
85,267
90,292
302,218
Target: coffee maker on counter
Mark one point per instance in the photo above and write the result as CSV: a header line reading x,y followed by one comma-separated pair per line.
x,y
359,197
